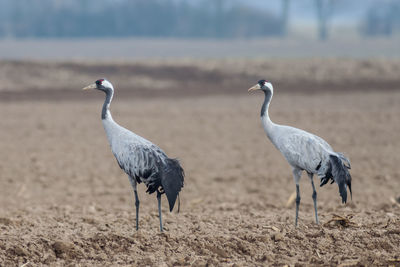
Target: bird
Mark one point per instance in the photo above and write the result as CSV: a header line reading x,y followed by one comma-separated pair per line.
x,y
141,160
305,152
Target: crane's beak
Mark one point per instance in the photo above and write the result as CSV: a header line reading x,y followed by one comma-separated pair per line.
x,y
92,86
255,87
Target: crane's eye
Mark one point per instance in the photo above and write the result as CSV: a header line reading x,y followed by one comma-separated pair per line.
x,y
262,82
98,82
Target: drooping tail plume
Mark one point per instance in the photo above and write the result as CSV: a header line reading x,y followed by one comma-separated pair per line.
x,y
172,180
341,176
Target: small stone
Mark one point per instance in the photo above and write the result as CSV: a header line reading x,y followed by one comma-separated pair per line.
x,y
264,238
19,251
180,262
277,237
61,248
200,263
163,264
6,221
49,258
220,252
102,256
148,261
262,258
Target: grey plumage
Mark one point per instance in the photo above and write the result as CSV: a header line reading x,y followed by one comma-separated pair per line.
x,y
141,160
305,152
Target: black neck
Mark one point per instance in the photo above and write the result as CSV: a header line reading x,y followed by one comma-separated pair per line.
x,y
106,105
267,100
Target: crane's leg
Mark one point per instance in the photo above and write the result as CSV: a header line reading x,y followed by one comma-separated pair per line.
x,y
159,209
296,177
137,202
179,204
314,196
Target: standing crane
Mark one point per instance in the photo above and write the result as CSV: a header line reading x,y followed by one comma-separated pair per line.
x,y
141,160
305,152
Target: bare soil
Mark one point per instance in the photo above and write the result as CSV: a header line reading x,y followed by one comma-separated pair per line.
x,y
65,202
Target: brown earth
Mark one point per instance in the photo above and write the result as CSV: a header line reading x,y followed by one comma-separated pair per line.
x,y
64,201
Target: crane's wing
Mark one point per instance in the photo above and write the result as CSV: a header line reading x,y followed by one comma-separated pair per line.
x,y
304,150
146,162
328,174
140,160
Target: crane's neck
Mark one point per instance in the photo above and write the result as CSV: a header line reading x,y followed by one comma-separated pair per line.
x,y
266,121
105,113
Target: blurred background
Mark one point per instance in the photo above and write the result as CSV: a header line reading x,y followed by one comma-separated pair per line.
x,y
198,28
197,46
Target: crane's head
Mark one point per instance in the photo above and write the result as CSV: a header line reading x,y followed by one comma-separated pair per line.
x,y
101,84
263,85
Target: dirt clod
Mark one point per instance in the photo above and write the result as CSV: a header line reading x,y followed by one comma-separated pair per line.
x,y
65,250
18,251
5,221
277,237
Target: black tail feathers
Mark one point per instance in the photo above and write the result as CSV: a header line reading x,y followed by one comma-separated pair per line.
x,y
341,175
172,181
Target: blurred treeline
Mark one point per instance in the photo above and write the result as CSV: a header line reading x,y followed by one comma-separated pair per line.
x,y
155,18
177,18
382,18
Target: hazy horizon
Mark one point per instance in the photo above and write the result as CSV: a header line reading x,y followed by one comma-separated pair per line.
x,y
170,48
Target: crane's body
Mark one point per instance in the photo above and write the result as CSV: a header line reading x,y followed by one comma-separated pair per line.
x,y
138,157
141,160
305,152
300,148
